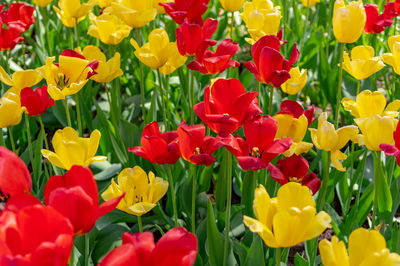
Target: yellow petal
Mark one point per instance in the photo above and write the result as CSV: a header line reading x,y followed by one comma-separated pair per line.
x,y
141,208
336,156
333,253
362,242
345,134
4,77
294,194
257,227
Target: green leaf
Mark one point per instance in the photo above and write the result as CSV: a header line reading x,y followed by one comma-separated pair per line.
x,y
300,261
255,255
215,240
249,185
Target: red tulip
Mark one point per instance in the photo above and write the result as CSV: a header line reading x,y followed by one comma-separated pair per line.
x,y
191,38
227,106
209,62
14,175
376,23
19,13
156,147
177,247
295,109
294,169
260,147
392,9
36,102
190,11
75,196
35,235
194,146
393,150
270,67
9,34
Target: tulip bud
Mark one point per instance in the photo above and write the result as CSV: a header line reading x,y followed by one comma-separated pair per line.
x,y
232,5
348,21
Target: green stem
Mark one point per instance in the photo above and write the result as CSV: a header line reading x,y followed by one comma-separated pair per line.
x,y
86,249
2,138
271,97
77,37
228,172
78,115
171,187
28,131
10,134
43,132
232,24
305,25
339,92
358,87
191,93
324,187
139,219
194,179
377,177
139,40
167,101
164,111
67,112
278,256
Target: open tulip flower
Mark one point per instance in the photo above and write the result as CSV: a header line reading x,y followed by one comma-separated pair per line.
x,y
348,21
232,5
9,36
108,28
70,149
293,210
325,137
310,3
260,147
20,79
366,247
69,75
270,67
136,14
393,58
227,106
156,147
293,122
75,196
369,103
294,169
177,247
140,191
36,101
296,82
71,12
376,23
209,62
261,19
189,11
18,14
10,109
363,64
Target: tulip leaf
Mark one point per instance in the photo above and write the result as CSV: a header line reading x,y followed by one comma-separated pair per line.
x,y
384,199
255,255
220,190
299,260
108,172
249,185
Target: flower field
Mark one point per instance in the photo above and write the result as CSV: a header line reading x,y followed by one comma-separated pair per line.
x,y
199,132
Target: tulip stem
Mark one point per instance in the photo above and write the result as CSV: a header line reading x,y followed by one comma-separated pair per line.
x,y
43,132
78,115
191,95
232,24
164,111
67,112
271,97
278,256
2,138
139,219
358,87
377,179
228,172
194,200
172,189
28,131
86,250
139,39
305,26
10,134
339,92
327,160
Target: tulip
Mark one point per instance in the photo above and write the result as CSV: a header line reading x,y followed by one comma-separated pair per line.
x,y
376,130
142,192
9,36
35,235
156,147
393,150
108,28
348,21
42,3
376,23
175,60
296,82
366,247
232,5
69,75
209,62
104,3
261,19
192,37
177,247
293,122
294,169
14,175
71,12
270,67
393,58
194,146
293,210
75,196
369,103
10,109
19,13
363,64
70,149
310,3
136,14
325,137
392,9
20,79
107,70
36,102
260,147
189,11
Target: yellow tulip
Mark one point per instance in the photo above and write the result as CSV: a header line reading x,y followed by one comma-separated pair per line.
x,y
295,128
293,210
42,3
70,149
175,60
366,247
348,21
20,79
369,103
296,82
10,109
104,3
67,78
135,13
376,130
71,12
363,63
232,5
325,137
108,28
310,3
261,19
107,70
160,9
142,192
393,58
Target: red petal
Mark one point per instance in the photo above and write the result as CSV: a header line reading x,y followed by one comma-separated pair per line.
x,y
312,181
108,206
